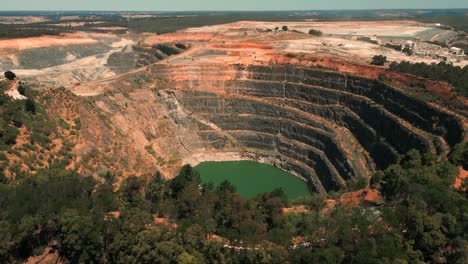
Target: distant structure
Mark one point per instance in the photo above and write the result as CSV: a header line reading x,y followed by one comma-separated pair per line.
x,y
409,45
457,52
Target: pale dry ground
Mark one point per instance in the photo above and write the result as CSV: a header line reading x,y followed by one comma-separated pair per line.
x,y
69,17
361,51
358,28
13,90
21,19
110,28
196,158
324,45
250,43
244,42
75,70
45,41
75,24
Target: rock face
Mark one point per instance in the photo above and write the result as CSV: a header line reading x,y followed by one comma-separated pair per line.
x,y
326,127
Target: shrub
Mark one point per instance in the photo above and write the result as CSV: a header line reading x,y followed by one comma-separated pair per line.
x,y
22,89
379,60
10,75
30,106
315,32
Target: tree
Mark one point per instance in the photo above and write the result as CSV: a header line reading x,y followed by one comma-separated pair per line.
x,y
10,75
5,241
30,106
130,190
315,32
379,60
186,176
22,89
459,155
79,239
186,258
155,191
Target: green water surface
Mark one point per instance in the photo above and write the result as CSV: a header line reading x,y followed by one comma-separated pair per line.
x,y
251,178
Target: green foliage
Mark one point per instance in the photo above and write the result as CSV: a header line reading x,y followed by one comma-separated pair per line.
x,y
10,75
21,89
421,197
458,22
379,60
25,31
80,239
459,155
131,190
186,176
455,75
167,49
30,106
422,218
315,32
155,192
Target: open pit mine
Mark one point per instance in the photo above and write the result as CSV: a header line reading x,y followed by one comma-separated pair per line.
x,y
310,105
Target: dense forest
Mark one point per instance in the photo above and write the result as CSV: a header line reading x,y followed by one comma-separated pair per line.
x,y
151,220
455,75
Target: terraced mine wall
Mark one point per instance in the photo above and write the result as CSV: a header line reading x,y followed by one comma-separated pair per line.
x,y
39,58
328,127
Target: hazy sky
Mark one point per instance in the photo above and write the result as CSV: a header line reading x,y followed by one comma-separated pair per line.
x,y
184,5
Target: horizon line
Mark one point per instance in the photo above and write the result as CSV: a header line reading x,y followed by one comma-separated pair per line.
x,y
228,10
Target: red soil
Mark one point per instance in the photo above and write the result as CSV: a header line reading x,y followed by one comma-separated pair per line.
x,y
462,176
441,89
164,221
48,257
356,198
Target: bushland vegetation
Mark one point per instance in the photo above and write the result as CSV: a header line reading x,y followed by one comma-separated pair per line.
x,y
151,220
442,71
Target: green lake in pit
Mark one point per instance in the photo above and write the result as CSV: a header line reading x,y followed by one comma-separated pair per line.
x,y
252,178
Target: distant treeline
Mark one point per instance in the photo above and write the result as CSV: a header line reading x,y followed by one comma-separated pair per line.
x,y
458,22
170,22
159,24
24,31
163,25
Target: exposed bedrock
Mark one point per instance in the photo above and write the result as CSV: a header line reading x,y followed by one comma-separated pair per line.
x,y
326,126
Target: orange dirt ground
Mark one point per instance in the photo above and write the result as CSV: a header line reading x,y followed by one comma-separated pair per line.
x,y
462,176
296,209
48,257
358,197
